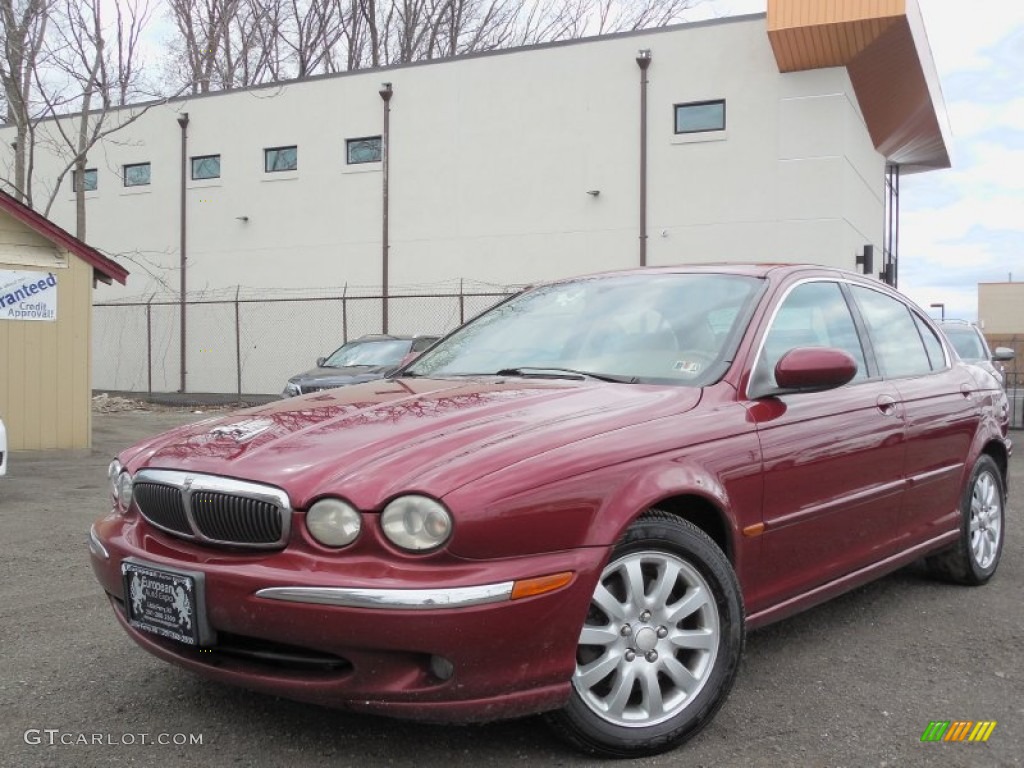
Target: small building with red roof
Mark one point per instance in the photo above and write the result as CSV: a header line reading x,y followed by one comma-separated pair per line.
x,y
47,277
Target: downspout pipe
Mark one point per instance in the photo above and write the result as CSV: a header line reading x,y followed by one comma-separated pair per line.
x,y
385,94
182,243
643,60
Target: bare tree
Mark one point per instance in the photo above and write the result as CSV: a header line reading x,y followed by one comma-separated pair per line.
x,y
250,50
400,31
224,44
23,25
310,32
204,27
87,84
64,63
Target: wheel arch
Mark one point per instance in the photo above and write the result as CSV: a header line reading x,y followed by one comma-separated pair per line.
x,y
997,450
704,514
688,491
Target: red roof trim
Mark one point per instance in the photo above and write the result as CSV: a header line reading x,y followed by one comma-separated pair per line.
x,y
107,269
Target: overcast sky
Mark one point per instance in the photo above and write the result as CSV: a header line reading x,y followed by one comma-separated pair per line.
x,y
963,226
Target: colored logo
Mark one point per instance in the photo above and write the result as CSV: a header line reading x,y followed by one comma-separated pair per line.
x,y
958,730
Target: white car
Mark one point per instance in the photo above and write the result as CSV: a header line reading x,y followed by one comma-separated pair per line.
x,y
3,449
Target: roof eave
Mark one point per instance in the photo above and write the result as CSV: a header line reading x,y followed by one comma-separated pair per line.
x,y
105,269
885,49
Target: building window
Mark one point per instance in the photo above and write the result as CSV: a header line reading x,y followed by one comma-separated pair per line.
x,y
136,175
280,159
700,116
365,150
206,167
90,180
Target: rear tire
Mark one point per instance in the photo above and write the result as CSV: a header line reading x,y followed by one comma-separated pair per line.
x,y
974,558
661,644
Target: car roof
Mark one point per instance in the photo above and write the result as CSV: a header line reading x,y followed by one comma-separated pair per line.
x,y
750,269
393,337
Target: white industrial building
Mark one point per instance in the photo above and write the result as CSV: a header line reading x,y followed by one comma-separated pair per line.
x,y
777,137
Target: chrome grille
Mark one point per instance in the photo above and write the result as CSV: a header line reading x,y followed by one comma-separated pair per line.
x,y
227,517
162,505
212,509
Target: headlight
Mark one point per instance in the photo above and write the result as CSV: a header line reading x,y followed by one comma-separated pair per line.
x,y
291,389
124,490
333,523
112,472
416,523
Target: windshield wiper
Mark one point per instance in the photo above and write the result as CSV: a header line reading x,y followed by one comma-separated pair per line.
x,y
565,373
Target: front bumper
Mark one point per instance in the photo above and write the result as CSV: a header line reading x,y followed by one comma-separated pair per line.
x,y
360,632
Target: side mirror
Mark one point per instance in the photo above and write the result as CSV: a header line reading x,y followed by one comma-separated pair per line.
x,y
1002,354
320,362
806,369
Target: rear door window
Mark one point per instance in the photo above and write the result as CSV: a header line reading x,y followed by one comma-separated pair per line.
x,y
898,345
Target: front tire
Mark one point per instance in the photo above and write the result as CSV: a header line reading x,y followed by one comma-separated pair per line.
x,y
660,646
974,558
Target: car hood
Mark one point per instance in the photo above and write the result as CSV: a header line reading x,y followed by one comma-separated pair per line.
x,y
340,377
372,441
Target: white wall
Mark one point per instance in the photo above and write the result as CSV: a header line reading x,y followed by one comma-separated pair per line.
x,y
491,160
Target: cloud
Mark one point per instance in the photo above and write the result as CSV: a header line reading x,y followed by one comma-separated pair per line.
x,y
967,41
971,119
966,225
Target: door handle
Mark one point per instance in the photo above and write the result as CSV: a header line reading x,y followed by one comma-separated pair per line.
x,y
966,391
886,405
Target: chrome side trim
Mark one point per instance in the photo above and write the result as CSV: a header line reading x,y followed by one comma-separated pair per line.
x,y
857,497
96,546
392,599
935,473
191,482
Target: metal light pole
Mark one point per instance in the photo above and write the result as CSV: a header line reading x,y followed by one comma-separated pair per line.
x,y
942,309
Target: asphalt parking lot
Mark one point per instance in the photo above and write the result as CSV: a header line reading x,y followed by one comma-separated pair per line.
x,y
851,683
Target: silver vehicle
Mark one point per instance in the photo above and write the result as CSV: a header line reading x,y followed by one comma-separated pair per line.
x,y
970,344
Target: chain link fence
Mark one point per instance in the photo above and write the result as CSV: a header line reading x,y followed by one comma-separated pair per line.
x,y
248,344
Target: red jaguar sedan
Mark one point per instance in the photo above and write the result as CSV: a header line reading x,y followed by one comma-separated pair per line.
x,y
575,504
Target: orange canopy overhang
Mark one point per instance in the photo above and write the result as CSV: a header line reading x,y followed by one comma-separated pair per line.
x,y
883,45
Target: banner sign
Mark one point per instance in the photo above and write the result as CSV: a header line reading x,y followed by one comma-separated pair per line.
x,y
28,295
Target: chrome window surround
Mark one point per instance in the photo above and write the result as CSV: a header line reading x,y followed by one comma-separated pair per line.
x,y
191,482
393,599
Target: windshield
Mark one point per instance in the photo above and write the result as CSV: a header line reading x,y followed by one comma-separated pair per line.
x,y
368,353
662,328
966,342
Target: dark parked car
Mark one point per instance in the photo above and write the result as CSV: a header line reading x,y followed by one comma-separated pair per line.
x,y
969,342
575,504
365,359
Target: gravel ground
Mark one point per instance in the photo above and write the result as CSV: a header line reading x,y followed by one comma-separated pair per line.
x,y
851,683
